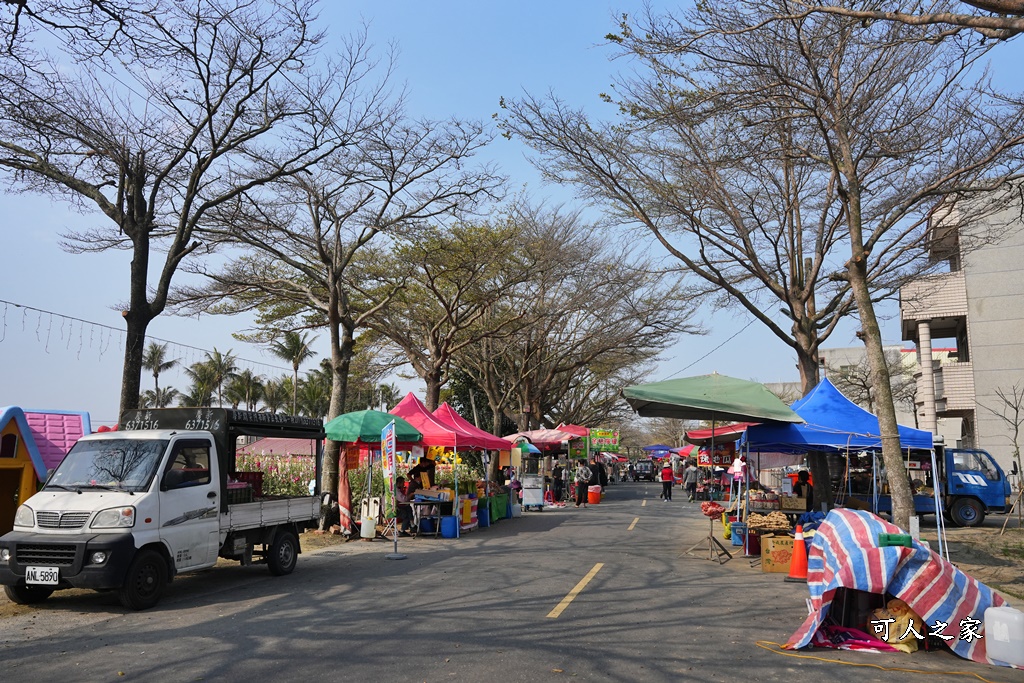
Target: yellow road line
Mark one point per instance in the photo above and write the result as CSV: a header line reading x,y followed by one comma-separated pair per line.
x,y
643,503
577,589
635,520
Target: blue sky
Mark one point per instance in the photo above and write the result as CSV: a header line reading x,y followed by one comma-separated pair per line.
x,y
457,59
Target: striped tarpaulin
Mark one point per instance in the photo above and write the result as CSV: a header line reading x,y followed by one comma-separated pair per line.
x,y
845,554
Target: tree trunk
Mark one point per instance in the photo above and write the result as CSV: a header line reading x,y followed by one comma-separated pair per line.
x,y
335,471
134,348
892,457
817,463
807,364
432,378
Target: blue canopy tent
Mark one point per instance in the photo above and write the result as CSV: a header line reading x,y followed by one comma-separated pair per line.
x,y
832,422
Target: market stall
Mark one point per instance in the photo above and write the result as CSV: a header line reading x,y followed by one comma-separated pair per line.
x,y
709,397
446,435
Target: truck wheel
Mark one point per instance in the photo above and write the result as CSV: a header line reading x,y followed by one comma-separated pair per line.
x,y
145,581
27,595
284,552
967,512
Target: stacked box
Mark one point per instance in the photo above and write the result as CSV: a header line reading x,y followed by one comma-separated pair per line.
x,y
776,552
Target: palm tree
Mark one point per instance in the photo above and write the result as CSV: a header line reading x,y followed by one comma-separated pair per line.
x,y
315,394
223,367
294,347
157,398
155,360
204,381
274,395
246,388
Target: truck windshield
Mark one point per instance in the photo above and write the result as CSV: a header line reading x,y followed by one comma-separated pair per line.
x,y
974,461
110,464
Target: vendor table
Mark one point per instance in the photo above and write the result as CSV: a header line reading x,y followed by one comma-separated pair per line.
x,y
426,509
498,506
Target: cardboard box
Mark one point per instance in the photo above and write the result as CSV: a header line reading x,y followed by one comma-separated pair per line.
x,y
793,503
776,552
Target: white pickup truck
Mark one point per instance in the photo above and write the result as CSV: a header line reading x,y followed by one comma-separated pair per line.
x,y
128,510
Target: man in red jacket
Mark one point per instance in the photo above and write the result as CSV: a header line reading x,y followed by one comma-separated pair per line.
x,y
667,479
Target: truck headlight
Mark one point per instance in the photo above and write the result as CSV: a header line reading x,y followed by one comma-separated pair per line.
x,y
114,518
25,517
5,555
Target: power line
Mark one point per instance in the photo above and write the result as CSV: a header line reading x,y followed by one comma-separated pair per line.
x,y
751,322
106,334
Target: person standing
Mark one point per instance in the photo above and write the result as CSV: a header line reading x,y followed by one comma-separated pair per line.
x,y
667,479
690,475
582,476
556,482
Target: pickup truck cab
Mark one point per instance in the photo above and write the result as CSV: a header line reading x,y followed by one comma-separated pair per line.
x,y
131,509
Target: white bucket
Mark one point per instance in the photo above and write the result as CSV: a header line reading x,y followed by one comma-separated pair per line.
x,y
1004,635
367,528
517,510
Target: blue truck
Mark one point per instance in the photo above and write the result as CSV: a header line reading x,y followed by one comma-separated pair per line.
x,y
971,481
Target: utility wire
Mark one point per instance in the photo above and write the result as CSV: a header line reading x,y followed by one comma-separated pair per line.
x,y
751,322
113,330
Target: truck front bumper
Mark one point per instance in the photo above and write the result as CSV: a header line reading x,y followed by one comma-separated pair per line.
x,y
72,554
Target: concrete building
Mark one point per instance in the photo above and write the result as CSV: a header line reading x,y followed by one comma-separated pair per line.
x,y
976,308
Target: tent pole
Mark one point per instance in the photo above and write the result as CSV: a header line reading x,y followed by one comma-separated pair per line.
x,y
940,520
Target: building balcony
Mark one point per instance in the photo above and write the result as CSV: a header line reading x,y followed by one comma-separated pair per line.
x,y
939,299
954,388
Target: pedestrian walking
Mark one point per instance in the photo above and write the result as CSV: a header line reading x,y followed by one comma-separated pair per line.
x,y
690,476
667,479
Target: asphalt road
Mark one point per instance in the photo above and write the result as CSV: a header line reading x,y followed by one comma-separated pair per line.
x,y
478,608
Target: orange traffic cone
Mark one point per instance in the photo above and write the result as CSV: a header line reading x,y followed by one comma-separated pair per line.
x,y
798,563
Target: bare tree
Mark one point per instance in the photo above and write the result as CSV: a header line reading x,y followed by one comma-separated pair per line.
x,y
855,381
204,104
859,134
311,262
1010,410
589,319
1001,19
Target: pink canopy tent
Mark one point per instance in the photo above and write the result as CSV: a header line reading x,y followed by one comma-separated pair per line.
x,y
435,432
482,439
544,439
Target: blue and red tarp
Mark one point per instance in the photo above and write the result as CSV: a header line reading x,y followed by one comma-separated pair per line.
x,y
845,554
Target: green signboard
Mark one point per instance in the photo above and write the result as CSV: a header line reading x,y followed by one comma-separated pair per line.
x,y
606,440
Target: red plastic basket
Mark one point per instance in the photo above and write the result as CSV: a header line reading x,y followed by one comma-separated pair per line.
x,y
254,479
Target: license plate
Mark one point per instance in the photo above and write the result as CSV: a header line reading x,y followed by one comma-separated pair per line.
x,y
48,576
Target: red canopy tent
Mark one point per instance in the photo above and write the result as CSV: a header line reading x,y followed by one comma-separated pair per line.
x,y
729,432
483,439
575,430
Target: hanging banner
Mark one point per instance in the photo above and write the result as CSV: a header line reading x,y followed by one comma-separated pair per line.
x,y
352,457
723,456
387,447
604,440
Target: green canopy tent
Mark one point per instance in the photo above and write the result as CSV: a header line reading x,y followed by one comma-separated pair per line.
x,y
709,397
365,426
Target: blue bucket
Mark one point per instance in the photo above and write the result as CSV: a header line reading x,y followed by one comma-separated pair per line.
x,y
449,526
427,526
739,533
483,517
